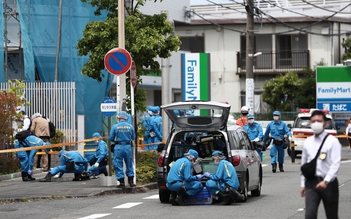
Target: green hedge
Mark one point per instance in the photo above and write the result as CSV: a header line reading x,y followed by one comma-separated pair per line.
x,y
146,164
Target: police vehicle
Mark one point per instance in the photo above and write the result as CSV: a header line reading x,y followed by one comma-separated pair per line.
x,y
301,129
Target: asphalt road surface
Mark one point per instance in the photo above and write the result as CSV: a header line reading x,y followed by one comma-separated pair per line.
x,y
280,199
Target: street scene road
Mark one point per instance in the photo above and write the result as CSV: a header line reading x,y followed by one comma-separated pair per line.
x,y
280,199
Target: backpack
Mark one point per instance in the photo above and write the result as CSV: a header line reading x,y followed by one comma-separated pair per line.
x,y
22,135
52,129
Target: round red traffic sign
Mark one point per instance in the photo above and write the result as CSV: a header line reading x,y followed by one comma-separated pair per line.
x,y
117,61
133,75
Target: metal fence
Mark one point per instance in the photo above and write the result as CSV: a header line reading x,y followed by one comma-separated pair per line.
x,y
55,100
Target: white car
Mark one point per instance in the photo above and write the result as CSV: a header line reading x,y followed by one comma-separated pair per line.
x,y
301,128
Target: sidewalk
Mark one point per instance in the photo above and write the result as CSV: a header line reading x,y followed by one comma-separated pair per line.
x,y
16,190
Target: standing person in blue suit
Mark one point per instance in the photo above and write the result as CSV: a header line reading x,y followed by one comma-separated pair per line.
x,y
146,120
70,162
181,180
224,183
277,129
26,158
156,124
99,161
123,134
254,130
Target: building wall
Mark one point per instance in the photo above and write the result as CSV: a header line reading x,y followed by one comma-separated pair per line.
x,y
175,9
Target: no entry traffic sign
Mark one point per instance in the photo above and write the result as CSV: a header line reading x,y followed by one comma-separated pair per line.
x,y
118,61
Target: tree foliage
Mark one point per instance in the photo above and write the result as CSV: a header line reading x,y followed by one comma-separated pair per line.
x,y
146,38
10,99
347,46
280,92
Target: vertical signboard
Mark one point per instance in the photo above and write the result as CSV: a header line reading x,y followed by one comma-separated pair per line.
x,y
333,91
333,88
195,76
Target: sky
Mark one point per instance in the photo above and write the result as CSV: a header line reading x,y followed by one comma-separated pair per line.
x,y
204,2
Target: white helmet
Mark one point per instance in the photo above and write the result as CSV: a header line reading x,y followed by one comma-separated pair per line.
x,y
244,110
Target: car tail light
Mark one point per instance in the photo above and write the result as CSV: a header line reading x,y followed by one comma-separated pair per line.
x,y
160,161
236,160
325,111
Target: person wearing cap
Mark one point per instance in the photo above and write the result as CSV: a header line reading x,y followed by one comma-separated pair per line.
x,y
243,119
180,179
70,162
40,128
277,129
99,161
224,183
149,133
26,120
254,130
26,158
156,127
123,134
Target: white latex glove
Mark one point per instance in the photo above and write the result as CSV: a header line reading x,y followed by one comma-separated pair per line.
x,y
290,138
96,165
152,134
256,139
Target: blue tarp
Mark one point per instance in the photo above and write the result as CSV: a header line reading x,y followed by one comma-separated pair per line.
x,y
39,26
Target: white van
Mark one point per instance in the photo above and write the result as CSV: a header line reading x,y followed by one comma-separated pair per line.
x,y
301,128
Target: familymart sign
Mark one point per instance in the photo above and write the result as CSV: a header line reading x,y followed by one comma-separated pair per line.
x,y
195,76
333,88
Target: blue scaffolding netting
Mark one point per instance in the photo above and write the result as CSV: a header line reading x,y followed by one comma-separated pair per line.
x,y
39,22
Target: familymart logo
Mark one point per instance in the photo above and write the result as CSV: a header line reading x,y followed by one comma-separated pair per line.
x,y
334,90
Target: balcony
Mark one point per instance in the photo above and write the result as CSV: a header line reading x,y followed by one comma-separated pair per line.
x,y
269,63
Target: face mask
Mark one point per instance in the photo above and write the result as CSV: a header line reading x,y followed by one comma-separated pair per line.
x,y
276,118
250,121
317,127
97,142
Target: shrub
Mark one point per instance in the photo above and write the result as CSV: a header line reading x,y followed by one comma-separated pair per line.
x,y
146,164
9,164
58,138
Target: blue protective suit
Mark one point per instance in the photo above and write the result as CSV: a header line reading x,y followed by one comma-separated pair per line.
x,y
225,174
122,133
254,130
156,124
26,158
81,164
277,129
146,119
100,153
180,174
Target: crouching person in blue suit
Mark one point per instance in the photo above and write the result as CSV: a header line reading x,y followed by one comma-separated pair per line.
x,y
26,158
180,179
99,161
224,183
78,166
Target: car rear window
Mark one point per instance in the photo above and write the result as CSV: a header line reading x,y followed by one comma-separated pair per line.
x,y
304,122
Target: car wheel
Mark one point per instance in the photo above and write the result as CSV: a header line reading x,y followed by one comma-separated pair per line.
x,y
257,192
164,196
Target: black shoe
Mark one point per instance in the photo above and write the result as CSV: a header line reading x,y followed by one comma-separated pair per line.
x,y
25,176
30,177
173,198
76,177
224,198
130,181
274,167
85,176
181,199
47,178
234,194
281,169
121,184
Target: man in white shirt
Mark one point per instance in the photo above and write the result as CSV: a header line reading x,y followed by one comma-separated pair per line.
x,y
26,121
324,186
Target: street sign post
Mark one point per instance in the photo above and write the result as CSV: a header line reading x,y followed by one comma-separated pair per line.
x,y
133,74
117,61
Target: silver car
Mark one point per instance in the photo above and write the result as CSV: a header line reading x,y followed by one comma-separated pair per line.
x,y
202,125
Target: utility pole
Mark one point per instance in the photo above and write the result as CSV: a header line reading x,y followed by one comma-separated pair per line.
x,y
249,56
121,79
